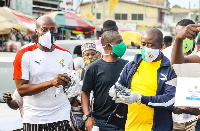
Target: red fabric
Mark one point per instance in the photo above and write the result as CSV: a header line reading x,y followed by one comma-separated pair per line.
x,y
80,22
23,19
17,74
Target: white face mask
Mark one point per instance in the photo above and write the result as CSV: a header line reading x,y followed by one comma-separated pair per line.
x,y
45,40
149,54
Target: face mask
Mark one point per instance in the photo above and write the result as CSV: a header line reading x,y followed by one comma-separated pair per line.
x,y
89,61
187,45
119,49
47,40
149,54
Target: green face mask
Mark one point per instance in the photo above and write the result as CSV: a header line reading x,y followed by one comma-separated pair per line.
x,y
187,45
119,49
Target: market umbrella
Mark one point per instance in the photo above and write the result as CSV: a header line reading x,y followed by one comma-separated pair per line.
x,y
70,21
91,24
27,20
9,21
29,24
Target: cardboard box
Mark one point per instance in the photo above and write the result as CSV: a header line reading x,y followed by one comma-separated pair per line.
x,y
187,85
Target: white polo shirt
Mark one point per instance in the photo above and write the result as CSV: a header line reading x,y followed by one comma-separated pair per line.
x,y
38,66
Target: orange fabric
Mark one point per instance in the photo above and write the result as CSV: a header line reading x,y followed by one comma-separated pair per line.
x,y
17,74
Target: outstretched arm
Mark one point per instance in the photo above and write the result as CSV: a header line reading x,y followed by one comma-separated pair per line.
x,y
189,32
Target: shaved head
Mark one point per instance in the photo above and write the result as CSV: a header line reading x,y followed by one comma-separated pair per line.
x,y
156,32
44,24
45,19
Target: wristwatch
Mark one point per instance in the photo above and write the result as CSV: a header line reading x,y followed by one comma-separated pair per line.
x,y
86,116
139,100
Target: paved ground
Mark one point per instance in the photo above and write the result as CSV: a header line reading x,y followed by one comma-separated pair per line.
x,y
9,119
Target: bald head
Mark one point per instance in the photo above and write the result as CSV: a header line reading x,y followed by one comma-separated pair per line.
x,y
44,24
45,19
157,33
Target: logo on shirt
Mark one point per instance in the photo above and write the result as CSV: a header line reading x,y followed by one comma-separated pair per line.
x,y
62,62
164,77
38,62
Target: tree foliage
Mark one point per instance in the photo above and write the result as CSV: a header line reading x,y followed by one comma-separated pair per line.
x,y
176,6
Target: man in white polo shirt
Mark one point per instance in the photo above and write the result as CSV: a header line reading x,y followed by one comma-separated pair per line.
x,y
38,74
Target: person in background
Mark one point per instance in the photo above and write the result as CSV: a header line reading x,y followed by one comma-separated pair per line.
x,y
198,45
107,25
184,120
100,51
14,101
190,31
12,45
179,26
38,75
78,61
110,25
99,48
89,54
34,40
197,127
99,77
167,41
150,100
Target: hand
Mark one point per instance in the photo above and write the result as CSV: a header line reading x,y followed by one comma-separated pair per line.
x,y
89,123
190,32
60,79
112,92
129,99
7,97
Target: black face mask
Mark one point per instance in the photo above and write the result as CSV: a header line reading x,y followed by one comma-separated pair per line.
x,y
53,37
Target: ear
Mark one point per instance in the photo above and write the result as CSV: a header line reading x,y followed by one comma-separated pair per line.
x,y
108,46
36,32
162,45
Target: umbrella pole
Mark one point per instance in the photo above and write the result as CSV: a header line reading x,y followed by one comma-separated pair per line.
x,y
62,34
2,41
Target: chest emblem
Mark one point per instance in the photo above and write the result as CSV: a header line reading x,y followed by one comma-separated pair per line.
x,y
62,62
38,62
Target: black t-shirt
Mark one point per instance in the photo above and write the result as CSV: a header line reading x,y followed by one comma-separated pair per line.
x,y
100,76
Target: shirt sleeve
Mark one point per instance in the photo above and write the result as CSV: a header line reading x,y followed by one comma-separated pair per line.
x,y
88,80
122,80
21,66
165,100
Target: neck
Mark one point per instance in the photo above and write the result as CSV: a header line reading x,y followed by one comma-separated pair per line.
x,y
109,58
44,48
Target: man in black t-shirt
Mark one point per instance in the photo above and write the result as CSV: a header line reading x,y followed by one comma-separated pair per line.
x,y
99,77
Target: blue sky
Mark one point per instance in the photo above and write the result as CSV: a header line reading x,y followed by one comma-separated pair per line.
x,y
185,3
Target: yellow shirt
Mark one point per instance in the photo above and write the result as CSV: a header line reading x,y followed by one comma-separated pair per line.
x,y
144,82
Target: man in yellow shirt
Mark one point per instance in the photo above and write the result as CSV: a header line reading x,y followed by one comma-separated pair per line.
x,y
150,101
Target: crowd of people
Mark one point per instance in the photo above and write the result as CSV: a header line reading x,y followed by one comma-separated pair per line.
x,y
109,93
14,41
